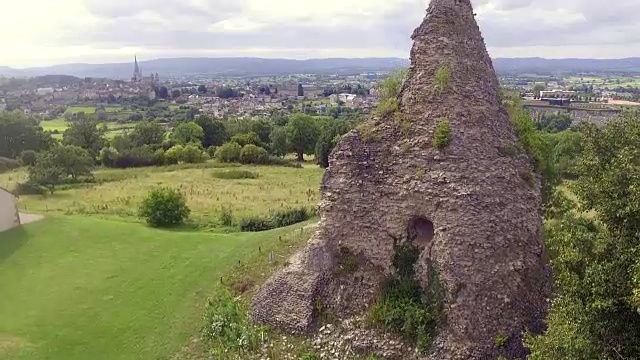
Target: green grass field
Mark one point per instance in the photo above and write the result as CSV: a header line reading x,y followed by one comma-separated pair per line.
x,y
79,287
123,190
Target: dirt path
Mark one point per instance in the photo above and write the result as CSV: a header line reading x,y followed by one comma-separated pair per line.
x,y
29,218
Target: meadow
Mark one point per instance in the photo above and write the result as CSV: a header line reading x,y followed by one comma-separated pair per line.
x,y
118,192
92,281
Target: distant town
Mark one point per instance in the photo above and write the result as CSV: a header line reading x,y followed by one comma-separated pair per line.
x,y
583,96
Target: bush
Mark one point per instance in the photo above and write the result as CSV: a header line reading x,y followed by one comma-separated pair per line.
x,y
160,155
288,217
251,154
277,219
211,150
28,157
192,154
235,174
229,152
247,139
164,207
173,155
7,164
402,307
30,188
108,156
137,157
256,224
442,136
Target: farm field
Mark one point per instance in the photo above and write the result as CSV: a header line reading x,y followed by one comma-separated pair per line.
x,y
79,287
121,190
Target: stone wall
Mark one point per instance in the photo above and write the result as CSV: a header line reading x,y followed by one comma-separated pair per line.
x,y
483,202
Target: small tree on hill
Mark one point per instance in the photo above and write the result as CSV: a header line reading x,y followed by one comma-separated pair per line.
x,y
164,207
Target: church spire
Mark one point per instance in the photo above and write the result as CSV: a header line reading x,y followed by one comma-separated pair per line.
x,y
137,75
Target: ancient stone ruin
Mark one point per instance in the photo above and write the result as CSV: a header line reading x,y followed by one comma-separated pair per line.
x,y
472,206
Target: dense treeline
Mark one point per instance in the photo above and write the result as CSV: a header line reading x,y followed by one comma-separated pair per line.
x,y
248,141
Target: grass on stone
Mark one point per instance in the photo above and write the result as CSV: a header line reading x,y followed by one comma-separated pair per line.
x,y
77,287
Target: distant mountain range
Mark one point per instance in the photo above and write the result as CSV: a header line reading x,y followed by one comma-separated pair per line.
x,y
176,67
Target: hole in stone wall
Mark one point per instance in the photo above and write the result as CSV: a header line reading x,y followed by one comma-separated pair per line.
x,y
421,230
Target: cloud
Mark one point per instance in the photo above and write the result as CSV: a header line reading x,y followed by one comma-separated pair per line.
x,y
98,30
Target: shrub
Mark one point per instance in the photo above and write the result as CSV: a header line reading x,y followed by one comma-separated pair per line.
x,y
277,219
7,164
164,207
442,136
229,152
192,154
108,156
173,155
29,188
160,155
235,174
256,224
251,154
137,157
28,157
227,328
288,217
211,150
402,307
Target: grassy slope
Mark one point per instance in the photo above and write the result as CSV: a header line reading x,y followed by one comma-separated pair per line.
x,y
84,288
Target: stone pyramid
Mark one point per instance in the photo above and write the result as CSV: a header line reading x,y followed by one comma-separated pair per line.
x,y
474,206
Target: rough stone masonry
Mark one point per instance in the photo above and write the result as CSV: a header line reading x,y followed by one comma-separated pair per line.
x,y
474,206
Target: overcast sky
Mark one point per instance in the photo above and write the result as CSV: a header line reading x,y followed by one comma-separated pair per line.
x,y
45,32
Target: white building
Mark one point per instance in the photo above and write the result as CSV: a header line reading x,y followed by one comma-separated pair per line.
x,y
9,217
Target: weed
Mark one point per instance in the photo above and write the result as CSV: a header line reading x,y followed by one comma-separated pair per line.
x,y
442,136
226,216
442,78
368,132
508,150
226,326
501,339
401,307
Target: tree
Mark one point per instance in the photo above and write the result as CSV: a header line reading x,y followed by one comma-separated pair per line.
x,y
187,132
251,154
74,161
20,132
246,139
85,133
175,93
45,172
263,128
302,134
147,133
279,143
596,312
537,88
215,134
28,157
300,90
202,89
322,154
122,142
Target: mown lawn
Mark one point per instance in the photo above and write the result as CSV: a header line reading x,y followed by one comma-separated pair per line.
x,y
77,287
123,190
